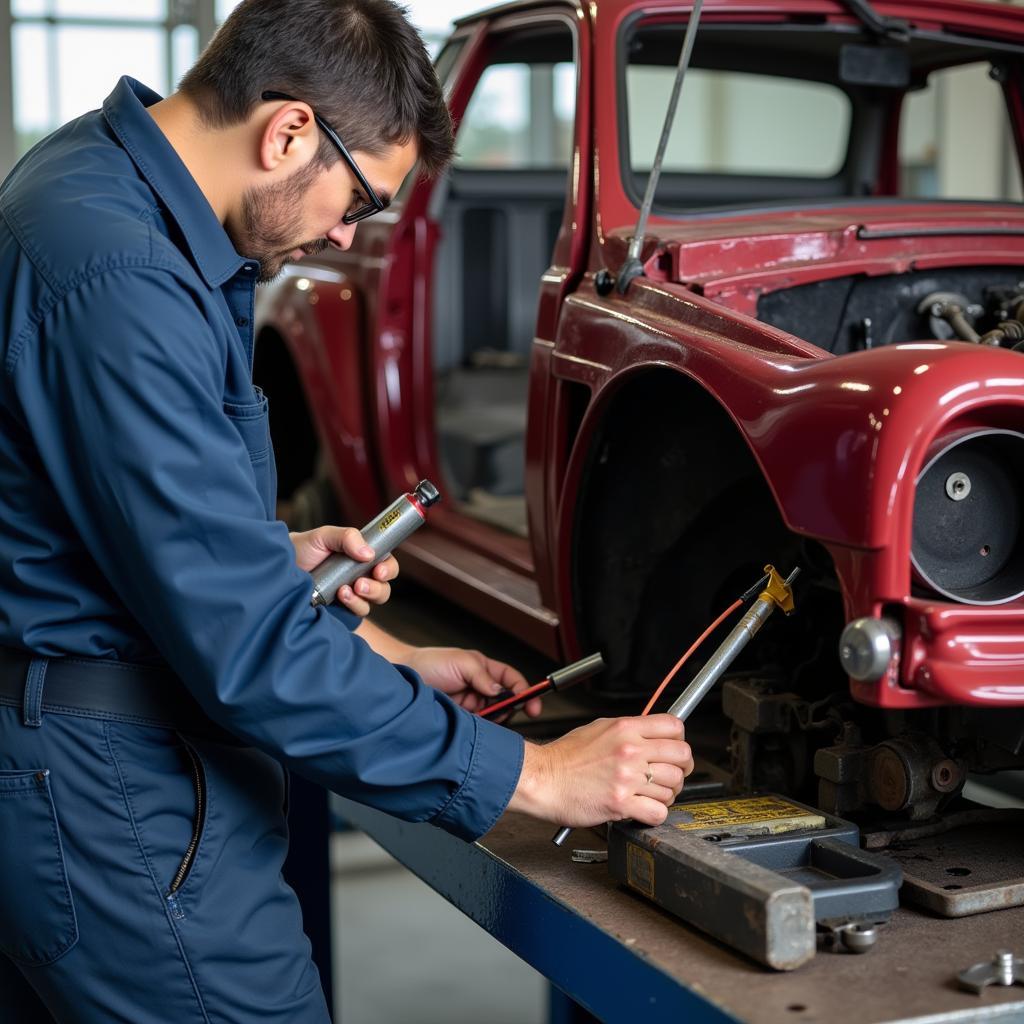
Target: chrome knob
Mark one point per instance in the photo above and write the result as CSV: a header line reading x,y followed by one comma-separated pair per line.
x,y
867,646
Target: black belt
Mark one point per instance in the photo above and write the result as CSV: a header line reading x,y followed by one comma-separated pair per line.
x,y
114,690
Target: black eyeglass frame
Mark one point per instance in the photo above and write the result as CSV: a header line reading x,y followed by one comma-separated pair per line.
x,y
375,204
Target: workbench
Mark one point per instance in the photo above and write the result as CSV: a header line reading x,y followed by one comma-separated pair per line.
x,y
623,959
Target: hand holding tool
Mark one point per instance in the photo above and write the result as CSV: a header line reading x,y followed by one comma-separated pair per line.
x,y
776,594
559,680
383,534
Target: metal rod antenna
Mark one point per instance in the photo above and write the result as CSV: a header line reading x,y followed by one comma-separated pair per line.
x,y
741,634
637,241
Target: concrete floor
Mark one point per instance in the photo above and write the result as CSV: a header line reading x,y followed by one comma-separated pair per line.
x,y
403,955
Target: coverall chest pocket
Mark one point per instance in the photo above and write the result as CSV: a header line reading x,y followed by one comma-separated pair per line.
x,y
252,421
37,922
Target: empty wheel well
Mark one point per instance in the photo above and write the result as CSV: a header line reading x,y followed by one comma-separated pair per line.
x,y
674,521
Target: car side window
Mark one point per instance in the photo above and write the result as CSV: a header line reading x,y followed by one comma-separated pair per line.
x,y
520,117
962,104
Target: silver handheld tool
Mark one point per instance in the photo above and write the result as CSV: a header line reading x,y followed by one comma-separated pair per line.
x,y
403,516
776,594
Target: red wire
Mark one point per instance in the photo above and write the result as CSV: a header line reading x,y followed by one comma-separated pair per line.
x,y
515,698
682,661
545,683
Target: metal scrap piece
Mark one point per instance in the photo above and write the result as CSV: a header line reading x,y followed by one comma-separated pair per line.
x,y
589,856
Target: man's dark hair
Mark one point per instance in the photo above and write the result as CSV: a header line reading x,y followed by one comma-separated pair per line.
x,y
359,64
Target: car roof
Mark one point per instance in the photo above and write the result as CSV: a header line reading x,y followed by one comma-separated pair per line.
x,y
997,15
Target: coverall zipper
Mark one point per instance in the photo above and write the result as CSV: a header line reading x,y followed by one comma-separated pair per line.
x,y
199,784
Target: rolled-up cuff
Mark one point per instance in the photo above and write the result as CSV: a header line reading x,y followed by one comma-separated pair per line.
x,y
494,769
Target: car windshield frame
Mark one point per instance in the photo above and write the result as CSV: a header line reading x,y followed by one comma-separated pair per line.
x,y
967,49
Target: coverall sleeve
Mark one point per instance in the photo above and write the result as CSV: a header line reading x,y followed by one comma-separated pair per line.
x,y
122,389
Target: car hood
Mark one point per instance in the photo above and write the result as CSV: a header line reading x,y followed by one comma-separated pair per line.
x,y
737,257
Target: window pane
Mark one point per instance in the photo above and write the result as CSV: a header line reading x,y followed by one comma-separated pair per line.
x,y
134,9
32,101
90,61
28,8
224,8
493,132
732,122
955,139
435,19
519,116
184,50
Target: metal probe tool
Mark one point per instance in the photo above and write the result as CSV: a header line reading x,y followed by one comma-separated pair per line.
x,y
383,534
776,594
558,681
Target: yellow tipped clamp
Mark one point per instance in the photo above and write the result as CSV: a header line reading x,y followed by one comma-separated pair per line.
x,y
777,593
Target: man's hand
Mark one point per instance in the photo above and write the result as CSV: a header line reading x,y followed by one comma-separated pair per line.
x,y
470,678
612,769
313,546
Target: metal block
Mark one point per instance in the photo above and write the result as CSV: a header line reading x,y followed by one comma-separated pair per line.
x,y
744,905
745,704
756,873
841,765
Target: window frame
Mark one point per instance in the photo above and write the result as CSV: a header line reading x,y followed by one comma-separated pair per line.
x,y
840,189
197,14
627,175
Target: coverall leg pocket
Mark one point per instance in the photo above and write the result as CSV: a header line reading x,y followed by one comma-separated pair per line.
x,y
37,912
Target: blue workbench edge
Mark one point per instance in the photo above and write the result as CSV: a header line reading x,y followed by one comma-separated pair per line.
x,y
612,980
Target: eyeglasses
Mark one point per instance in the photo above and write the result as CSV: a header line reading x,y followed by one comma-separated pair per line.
x,y
374,202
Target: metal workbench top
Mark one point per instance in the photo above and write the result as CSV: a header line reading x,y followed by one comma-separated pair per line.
x,y
626,960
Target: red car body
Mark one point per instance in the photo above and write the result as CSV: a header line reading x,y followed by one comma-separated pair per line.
x,y
837,441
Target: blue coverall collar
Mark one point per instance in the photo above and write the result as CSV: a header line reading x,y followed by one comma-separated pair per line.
x,y
206,241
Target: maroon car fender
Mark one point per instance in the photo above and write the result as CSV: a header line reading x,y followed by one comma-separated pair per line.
x,y
840,441
319,315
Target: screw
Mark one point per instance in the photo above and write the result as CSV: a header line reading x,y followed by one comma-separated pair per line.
x,y
958,486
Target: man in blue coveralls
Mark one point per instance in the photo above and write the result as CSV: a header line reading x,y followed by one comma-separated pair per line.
x,y
160,663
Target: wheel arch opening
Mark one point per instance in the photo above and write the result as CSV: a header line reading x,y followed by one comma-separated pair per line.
x,y
674,520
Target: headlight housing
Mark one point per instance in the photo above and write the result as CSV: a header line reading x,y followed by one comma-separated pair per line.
x,y
968,518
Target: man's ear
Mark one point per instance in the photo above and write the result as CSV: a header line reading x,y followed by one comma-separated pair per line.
x,y
289,136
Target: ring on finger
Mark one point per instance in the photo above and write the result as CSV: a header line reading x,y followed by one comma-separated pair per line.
x,y
649,776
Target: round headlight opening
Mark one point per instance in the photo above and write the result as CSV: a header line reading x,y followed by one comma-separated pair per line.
x,y
968,518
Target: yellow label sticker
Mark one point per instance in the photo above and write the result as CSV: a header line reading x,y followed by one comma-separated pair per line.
x,y
776,814
640,870
391,517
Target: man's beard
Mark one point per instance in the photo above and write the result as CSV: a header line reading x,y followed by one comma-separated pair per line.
x,y
269,225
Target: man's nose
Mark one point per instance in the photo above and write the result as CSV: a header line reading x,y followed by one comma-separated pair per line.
x,y
341,235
